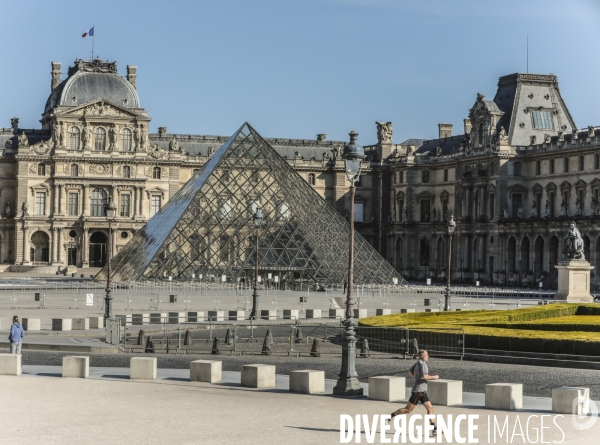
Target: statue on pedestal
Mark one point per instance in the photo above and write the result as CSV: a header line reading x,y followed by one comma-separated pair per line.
x,y
573,248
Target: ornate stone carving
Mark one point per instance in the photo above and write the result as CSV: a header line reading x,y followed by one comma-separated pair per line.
x,y
326,156
591,132
165,172
574,134
547,138
321,137
59,134
99,169
86,137
547,208
136,138
156,152
174,144
7,209
112,138
384,132
143,136
502,136
8,144
573,248
578,207
438,151
210,152
23,141
561,136
533,139
25,208
33,168
404,214
93,66
40,148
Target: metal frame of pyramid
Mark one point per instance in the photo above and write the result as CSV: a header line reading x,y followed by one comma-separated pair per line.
x,y
206,227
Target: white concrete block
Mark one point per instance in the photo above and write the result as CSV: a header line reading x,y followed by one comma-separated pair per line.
x,y
387,388
177,317
216,315
142,368
96,322
80,324
504,396
407,311
237,315
336,313
32,324
61,324
383,311
126,319
268,314
291,314
431,310
360,313
307,381
571,400
205,371
76,366
158,317
258,376
10,364
313,313
140,319
195,316
445,392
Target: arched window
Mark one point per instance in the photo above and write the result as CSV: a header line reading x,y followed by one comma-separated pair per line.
x,y
100,139
156,173
74,138
41,169
98,202
127,171
126,139
311,179
74,170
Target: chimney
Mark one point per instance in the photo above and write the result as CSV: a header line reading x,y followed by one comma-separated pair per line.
x,y
162,131
132,74
445,130
55,74
14,123
467,126
321,137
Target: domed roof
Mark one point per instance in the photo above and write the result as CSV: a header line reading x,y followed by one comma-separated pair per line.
x,y
92,80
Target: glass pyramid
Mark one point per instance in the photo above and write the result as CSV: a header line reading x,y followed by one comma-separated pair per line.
x,y
207,228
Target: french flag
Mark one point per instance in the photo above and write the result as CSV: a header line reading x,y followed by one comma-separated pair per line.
x,y
89,33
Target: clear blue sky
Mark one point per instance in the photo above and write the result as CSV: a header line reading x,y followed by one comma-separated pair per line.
x,y
295,68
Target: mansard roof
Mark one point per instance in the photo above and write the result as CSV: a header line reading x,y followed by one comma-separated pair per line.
x,y
91,80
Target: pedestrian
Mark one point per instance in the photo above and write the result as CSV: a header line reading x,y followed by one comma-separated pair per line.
x,y
420,372
16,336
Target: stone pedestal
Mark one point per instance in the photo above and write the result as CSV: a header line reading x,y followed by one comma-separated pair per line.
x,y
177,317
195,316
383,311
142,368
291,314
387,388
75,366
445,392
574,282
80,324
313,313
307,381
237,315
504,396
216,315
10,364
31,324
205,371
360,313
258,376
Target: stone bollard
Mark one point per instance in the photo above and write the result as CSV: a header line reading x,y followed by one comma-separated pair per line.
x,y
142,368
80,324
360,313
149,345
571,400
504,396
10,364
31,324
215,348
315,351
383,311
268,314
307,381
313,313
299,337
258,376
364,350
61,324
141,337
74,366
187,341
96,322
209,371
387,388
228,337
445,392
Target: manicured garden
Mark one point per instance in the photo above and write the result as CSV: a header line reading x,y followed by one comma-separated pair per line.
x,y
556,328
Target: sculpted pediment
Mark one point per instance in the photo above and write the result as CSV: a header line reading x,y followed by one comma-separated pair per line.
x,y
99,108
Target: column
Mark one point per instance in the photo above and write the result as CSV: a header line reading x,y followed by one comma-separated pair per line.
x,y
59,246
141,201
56,192
135,200
114,195
85,251
61,199
53,247
25,245
86,200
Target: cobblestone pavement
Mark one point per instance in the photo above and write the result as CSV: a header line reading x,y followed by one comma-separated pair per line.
x,y
537,381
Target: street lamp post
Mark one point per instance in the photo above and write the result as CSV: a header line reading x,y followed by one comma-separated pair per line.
x,y
111,210
519,273
451,226
257,218
506,272
348,384
461,271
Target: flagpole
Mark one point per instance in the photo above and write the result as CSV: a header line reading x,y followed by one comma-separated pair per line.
x,y
93,39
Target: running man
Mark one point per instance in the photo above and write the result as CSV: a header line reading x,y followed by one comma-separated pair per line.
x,y
420,372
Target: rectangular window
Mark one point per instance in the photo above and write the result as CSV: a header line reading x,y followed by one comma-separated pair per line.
x,y
73,204
401,176
40,203
425,210
155,205
425,176
542,120
597,161
566,165
517,169
359,210
581,163
551,166
551,199
538,167
517,203
445,175
125,204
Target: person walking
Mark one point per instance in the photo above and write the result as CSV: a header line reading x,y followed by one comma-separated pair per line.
x,y
420,372
16,336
